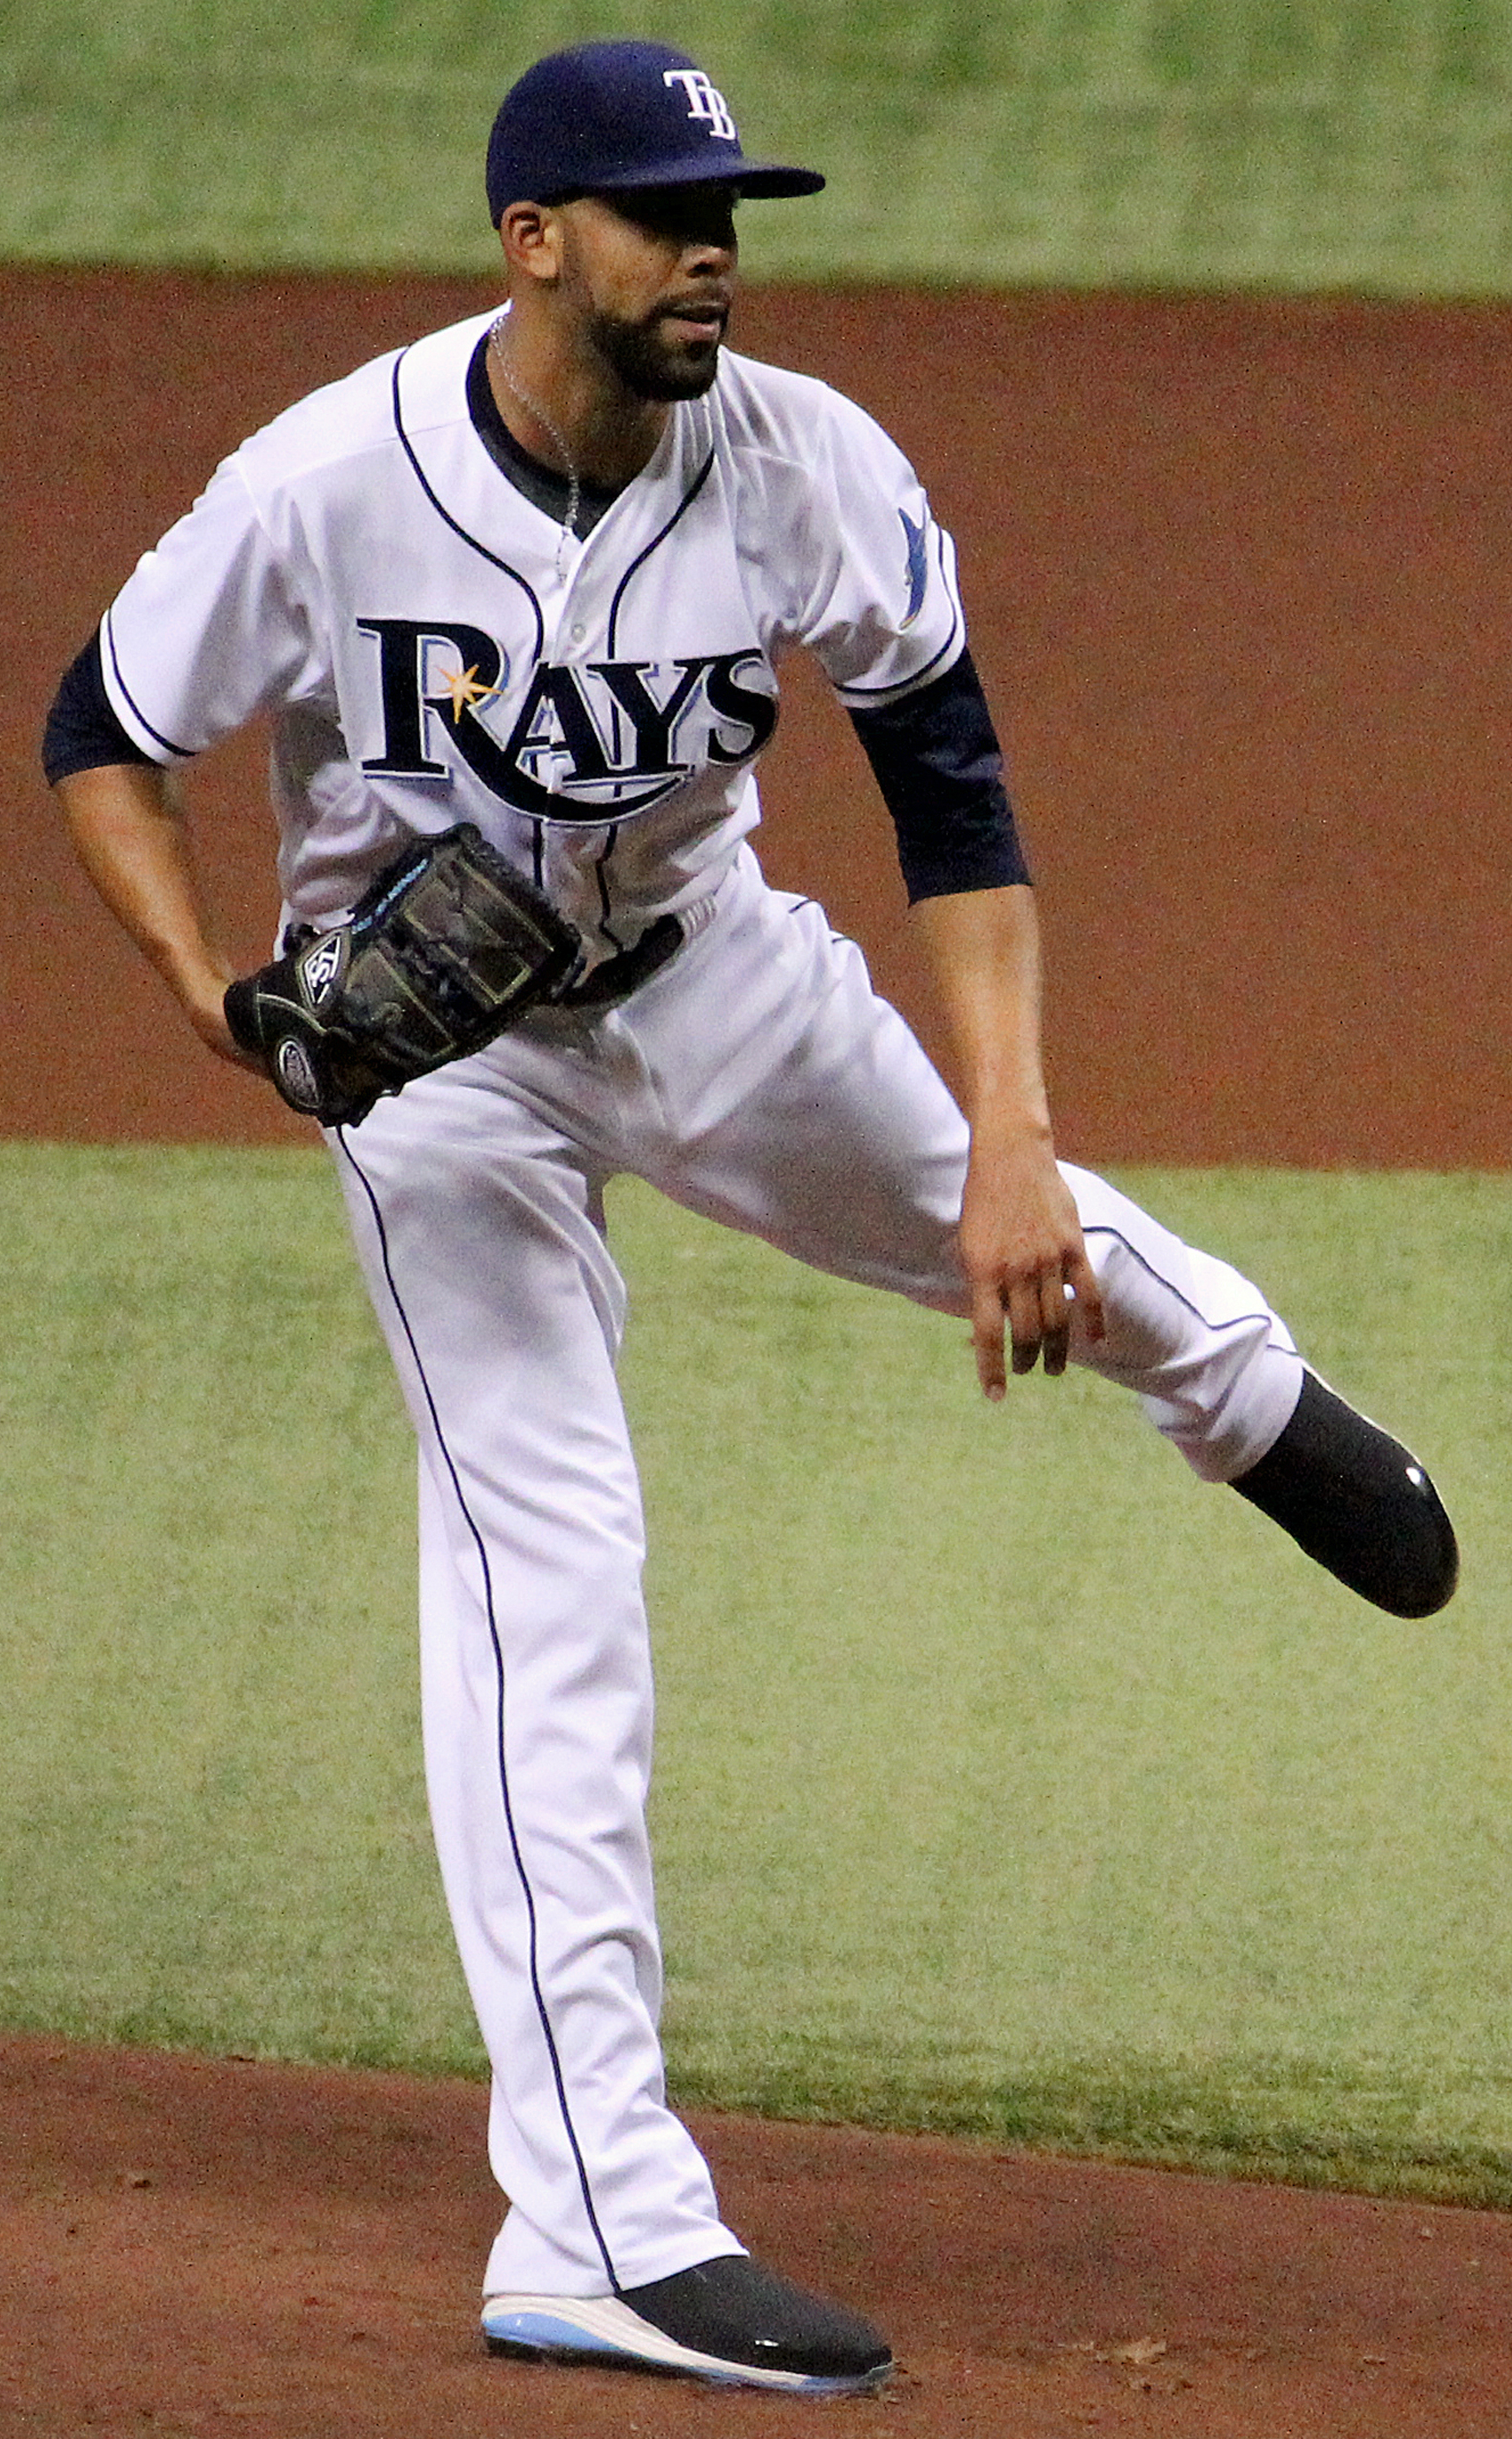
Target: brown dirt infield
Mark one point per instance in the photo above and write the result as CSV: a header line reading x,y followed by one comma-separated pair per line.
x,y
1239,581
193,2250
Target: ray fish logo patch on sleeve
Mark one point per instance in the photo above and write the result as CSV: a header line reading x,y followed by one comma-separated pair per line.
x,y
918,565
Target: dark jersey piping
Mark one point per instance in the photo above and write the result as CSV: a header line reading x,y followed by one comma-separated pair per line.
x,y
604,907
184,752
906,685
636,564
447,517
655,543
1235,1321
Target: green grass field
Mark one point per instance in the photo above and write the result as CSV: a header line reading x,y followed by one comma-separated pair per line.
x,y
1008,1780
1361,144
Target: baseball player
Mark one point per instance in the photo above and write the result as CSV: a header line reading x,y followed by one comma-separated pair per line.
x,y
525,585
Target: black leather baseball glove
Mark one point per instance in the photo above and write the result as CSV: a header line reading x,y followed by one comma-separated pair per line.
x,y
448,947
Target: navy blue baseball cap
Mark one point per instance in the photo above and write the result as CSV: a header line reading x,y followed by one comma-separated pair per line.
x,y
621,114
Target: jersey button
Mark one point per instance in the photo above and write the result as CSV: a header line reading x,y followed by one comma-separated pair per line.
x,y
578,631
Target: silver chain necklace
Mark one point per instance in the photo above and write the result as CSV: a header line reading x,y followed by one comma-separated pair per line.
x,y
533,406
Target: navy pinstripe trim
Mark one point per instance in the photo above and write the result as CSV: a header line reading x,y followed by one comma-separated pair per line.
x,y
841,939
184,752
525,1889
1100,1228
612,636
447,518
655,543
905,685
604,908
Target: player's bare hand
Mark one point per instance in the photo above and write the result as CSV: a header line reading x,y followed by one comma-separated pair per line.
x,y
204,1003
1026,1262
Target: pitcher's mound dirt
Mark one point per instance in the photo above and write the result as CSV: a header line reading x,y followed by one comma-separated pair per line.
x,y
190,2248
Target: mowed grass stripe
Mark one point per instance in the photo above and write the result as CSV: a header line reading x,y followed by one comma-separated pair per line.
x,y
1008,1780
1279,143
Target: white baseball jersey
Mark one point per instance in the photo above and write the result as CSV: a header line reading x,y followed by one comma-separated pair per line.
x,y
434,648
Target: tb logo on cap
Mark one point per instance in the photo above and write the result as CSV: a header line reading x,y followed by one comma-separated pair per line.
x,y
705,102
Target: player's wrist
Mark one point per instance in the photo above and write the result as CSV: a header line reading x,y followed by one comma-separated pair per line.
x,y
201,994
1012,1131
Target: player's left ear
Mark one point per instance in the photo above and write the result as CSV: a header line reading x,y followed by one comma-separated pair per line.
x,y
530,235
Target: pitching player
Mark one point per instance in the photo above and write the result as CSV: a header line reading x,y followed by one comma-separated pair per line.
x,y
536,573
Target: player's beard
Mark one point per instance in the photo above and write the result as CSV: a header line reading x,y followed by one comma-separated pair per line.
x,y
649,364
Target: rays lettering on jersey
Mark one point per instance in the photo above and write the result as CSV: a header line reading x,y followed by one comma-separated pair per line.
x,y
589,742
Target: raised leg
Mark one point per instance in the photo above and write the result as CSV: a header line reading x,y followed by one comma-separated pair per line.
x,y
845,1149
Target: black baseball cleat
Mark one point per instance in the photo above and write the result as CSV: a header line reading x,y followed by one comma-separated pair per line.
x,y
730,2320
1359,1503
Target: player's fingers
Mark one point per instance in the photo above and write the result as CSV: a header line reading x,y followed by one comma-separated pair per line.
x,y
1082,1281
987,1339
1055,1310
1026,1321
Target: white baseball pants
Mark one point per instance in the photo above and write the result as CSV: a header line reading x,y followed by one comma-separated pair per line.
x,y
758,1080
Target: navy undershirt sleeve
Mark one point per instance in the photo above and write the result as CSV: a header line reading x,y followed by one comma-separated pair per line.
x,y
82,732
938,764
